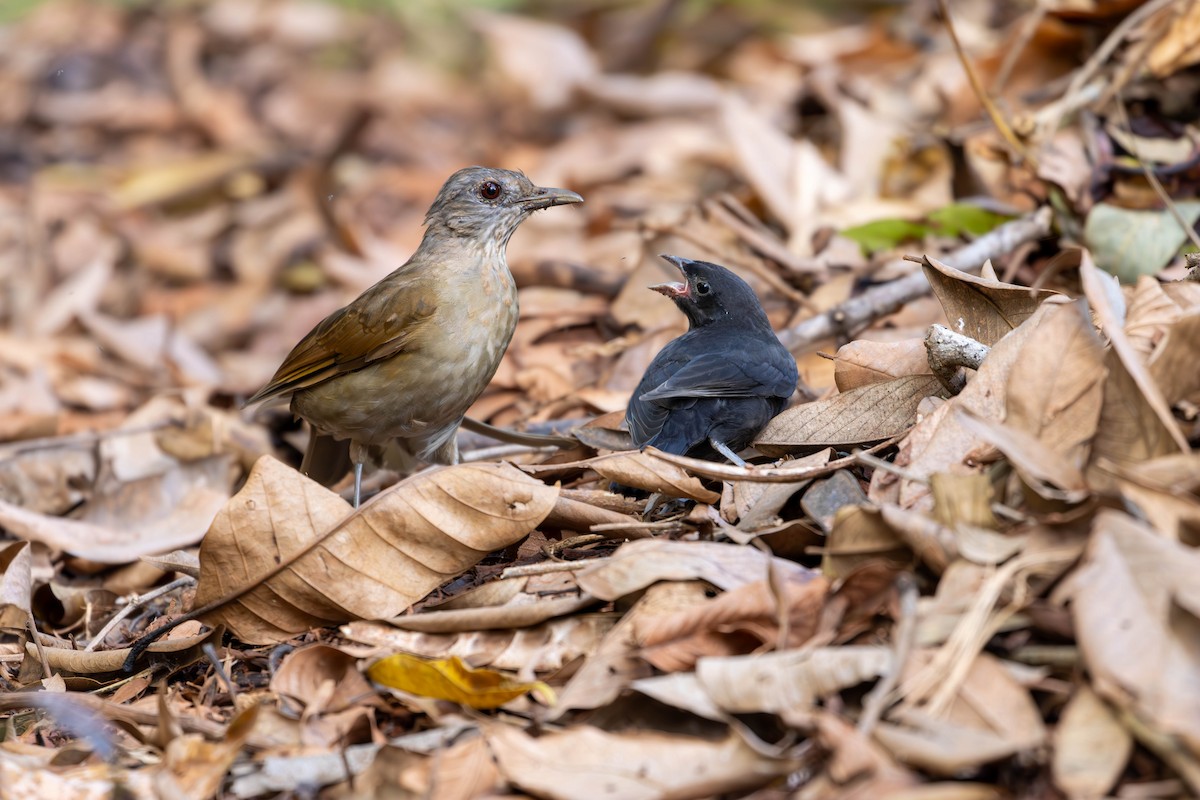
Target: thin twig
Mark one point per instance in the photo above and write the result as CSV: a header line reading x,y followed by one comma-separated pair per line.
x,y
1005,130
1084,74
525,570
134,603
37,642
755,474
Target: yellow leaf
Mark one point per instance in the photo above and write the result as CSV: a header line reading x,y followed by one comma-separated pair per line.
x,y
451,679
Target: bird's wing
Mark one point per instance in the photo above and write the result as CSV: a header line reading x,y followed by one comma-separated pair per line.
x,y
722,377
384,322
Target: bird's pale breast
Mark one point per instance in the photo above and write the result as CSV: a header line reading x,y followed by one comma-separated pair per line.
x,y
428,387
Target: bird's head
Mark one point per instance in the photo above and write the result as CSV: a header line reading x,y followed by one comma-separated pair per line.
x,y
711,293
488,204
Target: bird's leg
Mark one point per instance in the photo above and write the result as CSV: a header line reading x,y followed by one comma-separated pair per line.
x,y
358,455
724,450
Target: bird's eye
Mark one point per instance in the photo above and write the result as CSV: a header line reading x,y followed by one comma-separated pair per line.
x,y
489,190
702,287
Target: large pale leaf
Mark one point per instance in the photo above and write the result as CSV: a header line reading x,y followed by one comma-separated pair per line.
x,y
1129,243
867,414
390,553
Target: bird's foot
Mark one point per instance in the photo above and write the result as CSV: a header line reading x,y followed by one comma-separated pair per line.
x,y
724,450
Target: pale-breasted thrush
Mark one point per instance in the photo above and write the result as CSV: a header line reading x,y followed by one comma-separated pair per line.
x,y
398,367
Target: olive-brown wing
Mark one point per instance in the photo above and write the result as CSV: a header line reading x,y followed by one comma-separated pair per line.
x,y
384,321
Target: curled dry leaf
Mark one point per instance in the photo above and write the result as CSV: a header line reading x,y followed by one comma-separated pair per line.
x,y
869,413
986,310
540,648
784,682
636,565
380,560
16,585
1091,747
645,472
175,652
583,762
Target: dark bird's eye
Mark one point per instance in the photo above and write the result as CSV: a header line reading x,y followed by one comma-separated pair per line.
x,y
489,190
702,287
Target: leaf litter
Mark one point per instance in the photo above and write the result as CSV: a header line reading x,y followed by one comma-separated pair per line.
x,y
961,576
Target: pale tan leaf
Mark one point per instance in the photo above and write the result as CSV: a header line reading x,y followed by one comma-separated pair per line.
x,y
1091,747
1046,471
1136,608
634,765
16,585
1173,364
390,553
863,362
869,413
146,516
636,565
1054,393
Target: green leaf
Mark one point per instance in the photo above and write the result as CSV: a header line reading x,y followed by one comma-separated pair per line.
x,y
884,234
1129,243
959,219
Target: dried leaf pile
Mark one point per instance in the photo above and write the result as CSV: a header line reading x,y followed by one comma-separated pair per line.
x,y
963,561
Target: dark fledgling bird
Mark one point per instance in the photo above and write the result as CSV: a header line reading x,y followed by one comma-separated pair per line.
x,y
398,367
708,393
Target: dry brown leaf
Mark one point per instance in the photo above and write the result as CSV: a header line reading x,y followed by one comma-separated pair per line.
x,y
859,769
1136,606
582,763
863,362
143,517
615,663
938,442
1091,747
983,309
1180,47
636,565
1150,311
1047,472
869,413
1173,364
783,682
1055,392
859,535
178,652
321,685
643,472
16,585
390,553
1097,285
991,716
736,622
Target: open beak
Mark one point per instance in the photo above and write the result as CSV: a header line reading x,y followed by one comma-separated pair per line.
x,y
546,197
674,290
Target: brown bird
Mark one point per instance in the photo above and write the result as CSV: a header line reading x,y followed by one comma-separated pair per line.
x,y
398,367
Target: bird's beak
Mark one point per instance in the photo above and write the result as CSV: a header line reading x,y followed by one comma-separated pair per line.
x,y
674,290
546,197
